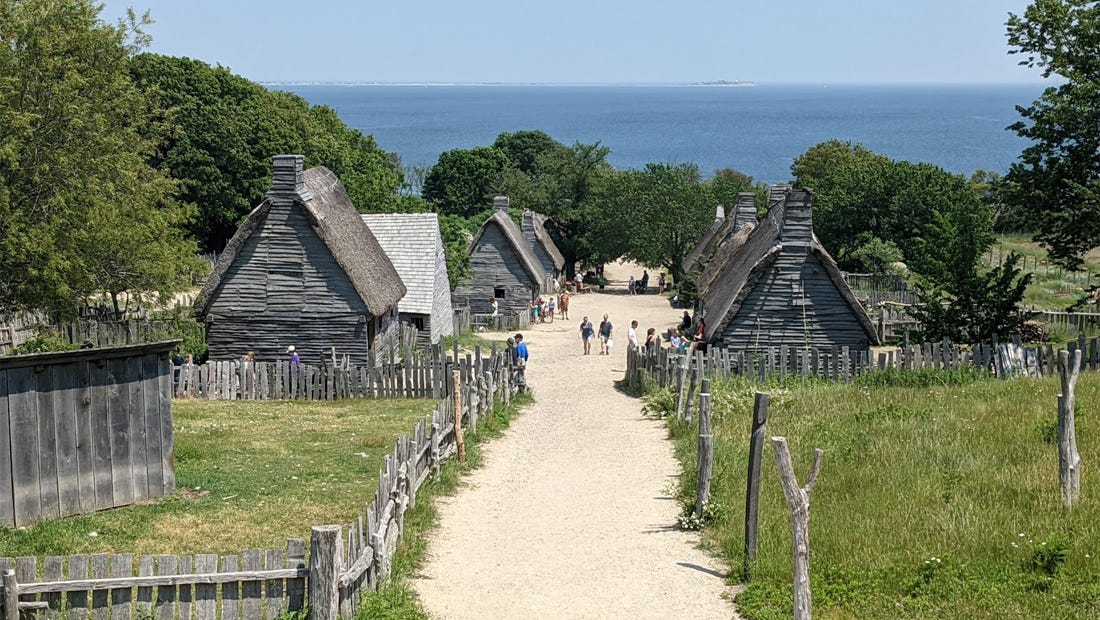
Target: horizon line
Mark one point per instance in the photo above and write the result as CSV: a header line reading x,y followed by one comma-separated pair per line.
x,y
698,84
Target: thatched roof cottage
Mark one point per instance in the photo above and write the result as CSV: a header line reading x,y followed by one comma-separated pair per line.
x,y
534,231
706,243
302,270
783,288
741,222
504,267
414,245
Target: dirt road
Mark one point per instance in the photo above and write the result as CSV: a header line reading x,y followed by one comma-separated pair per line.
x,y
571,515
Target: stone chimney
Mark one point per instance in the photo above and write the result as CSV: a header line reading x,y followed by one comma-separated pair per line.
x,y
719,214
501,203
289,178
798,221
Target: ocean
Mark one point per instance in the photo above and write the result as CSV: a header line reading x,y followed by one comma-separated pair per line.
x,y
758,130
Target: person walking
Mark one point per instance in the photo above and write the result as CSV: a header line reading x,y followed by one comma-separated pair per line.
x,y
563,303
630,285
605,336
632,334
661,284
587,334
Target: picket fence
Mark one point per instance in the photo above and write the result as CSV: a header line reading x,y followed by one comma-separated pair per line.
x,y
668,367
344,561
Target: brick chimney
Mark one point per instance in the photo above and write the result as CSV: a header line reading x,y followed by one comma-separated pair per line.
x,y
288,178
501,203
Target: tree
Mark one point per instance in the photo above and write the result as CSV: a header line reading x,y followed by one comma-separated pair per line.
x,y
82,211
220,131
975,306
822,159
463,181
1056,181
654,215
524,149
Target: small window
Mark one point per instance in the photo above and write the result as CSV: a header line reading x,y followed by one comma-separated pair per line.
x,y
498,292
418,322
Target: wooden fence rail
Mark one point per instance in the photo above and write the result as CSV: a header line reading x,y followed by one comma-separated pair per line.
x,y
670,368
345,561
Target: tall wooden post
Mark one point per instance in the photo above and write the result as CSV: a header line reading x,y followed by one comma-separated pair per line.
x,y
798,501
458,418
325,565
11,586
752,493
1069,461
706,451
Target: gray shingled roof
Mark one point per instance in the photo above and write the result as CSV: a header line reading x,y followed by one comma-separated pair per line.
x,y
758,252
412,242
334,218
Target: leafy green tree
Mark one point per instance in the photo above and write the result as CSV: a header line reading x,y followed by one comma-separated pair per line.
x,y
975,306
220,131
1056,181
463,181
82,211
821,159
524,149
653,216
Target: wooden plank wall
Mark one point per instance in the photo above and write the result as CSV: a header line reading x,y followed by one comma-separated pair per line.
x,y
255,585
84,431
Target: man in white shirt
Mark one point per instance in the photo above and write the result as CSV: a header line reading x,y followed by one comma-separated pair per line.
x,y
632,334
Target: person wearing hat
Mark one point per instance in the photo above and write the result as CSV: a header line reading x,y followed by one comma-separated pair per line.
x,y
295,359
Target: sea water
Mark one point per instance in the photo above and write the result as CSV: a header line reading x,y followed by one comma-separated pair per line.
x,y
758,130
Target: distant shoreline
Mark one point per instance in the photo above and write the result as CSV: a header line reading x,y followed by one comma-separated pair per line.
x,y
717,84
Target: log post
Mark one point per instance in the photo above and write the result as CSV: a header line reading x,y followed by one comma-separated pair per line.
x,y
706,451
752,493
458,418
11,586
681,386
1069,461
798,501
689,406
325,566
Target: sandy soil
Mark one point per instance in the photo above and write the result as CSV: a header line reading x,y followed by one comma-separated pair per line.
x,y
571,515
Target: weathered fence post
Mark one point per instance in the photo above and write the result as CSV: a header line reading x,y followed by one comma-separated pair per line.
x,y
325,564
11,590
752,493
1069,462
681,386
706,451
458,418
798,501
694,374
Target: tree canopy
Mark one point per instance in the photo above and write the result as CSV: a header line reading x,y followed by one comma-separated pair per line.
x,y
1055,184
463,181
83,211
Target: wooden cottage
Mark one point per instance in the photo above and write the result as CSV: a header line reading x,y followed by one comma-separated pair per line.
x,y
705,246
414,245
740,224
783,288
504,267
534,231
302,270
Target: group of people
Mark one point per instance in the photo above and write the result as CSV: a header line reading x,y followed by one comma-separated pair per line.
x,y
640,286
588,333
543,310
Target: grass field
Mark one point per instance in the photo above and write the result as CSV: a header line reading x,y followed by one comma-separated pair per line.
x,y
250,474
1052,288
933,501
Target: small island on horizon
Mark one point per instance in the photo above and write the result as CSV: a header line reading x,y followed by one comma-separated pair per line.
x,y
735,83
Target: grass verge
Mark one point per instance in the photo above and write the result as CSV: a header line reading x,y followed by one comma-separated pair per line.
x,y
250,474
937,498
395,600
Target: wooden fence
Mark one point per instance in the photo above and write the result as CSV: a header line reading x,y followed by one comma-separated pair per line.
x,y
1005,360
879,288
462,320
101,333
345,561
86,430
894,321
255,585
502,322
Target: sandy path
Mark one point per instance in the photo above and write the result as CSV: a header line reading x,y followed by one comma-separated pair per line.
x,y
570,517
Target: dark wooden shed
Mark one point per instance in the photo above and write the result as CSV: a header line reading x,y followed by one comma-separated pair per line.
x,y
534,231
783,288
504,267
303,270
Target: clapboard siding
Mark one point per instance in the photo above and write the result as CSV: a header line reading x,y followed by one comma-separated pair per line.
x,y
83,431
495,263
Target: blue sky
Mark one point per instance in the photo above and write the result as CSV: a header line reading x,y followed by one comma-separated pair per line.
x,y
649,41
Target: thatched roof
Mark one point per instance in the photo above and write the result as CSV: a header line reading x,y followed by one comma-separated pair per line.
x,y
742,221
538,221
334,219
754,257
514,236
706,243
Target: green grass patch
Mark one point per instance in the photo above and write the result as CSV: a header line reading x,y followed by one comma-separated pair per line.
x,y
250,474
1051,288
937,498
395,600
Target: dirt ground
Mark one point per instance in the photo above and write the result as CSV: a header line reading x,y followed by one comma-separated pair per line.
x,y
572,515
